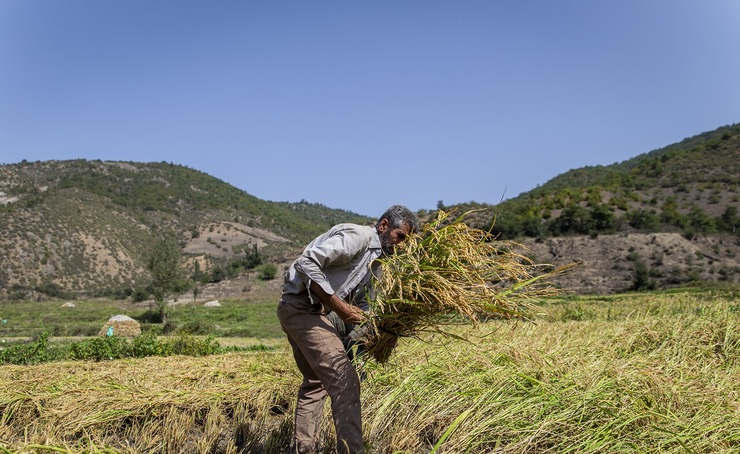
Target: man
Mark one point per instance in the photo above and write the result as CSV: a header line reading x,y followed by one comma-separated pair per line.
x,y
333,274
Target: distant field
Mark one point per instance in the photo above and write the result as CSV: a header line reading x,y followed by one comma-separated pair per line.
x,y
235,318
653,373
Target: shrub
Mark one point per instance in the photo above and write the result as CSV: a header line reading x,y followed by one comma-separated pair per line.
x,y
35,352
54,291
643,220
109,348
193,346
99,349
140,295
267,271
197,327
148,344
641,279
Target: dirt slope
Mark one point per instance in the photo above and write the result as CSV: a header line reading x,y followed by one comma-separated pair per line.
x,y
611,263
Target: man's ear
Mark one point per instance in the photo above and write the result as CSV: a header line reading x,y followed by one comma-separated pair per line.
x,y
382,225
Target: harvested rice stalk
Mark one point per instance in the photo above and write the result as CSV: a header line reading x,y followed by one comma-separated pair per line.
x,y
451,274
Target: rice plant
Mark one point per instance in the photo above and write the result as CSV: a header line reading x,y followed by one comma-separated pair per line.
x,y
450,274
648,373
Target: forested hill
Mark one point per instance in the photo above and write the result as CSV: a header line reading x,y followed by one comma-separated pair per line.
x,y
663,219
691,187
667,217
88,225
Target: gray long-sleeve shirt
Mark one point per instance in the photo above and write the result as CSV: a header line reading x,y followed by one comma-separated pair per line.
x,y
340,261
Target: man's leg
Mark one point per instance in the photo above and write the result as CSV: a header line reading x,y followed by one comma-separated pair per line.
x,y
309,406
322,350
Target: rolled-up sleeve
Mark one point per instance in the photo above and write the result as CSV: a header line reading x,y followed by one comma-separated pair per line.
x,y
334,250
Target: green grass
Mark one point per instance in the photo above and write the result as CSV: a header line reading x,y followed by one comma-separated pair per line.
x,y
28,319
623,306
235,318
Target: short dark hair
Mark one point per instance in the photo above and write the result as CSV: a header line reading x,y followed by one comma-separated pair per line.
x,y
399,215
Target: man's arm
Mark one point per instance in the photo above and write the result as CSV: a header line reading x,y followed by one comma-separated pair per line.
x,y
331,249
347,312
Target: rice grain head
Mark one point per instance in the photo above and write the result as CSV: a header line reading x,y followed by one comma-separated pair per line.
x,y
452,273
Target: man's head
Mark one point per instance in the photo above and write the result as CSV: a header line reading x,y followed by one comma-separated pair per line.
x,y
394,226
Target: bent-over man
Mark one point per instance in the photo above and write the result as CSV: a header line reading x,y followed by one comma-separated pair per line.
x,y
333,274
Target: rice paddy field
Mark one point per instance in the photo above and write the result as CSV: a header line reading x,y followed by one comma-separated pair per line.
x,y
636,373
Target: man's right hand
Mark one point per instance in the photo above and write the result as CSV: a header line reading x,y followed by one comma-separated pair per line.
x,y
347,312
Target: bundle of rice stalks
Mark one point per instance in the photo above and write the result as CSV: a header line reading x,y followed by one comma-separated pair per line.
x,y
451,273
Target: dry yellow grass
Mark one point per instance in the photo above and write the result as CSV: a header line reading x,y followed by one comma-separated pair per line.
x,y
164,405
622,374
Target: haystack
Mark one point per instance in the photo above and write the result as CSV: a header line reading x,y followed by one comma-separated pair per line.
x,y
212,304
123,326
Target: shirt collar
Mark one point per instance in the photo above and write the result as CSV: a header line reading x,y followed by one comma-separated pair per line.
x,y
375,240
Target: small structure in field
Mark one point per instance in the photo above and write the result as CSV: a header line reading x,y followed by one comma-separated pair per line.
x,y
123,326
68,304
212,304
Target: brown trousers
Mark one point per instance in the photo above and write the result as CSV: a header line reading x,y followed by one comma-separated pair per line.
x,y
326,369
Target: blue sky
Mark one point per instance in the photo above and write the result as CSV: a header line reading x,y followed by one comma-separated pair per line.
x,y
361,105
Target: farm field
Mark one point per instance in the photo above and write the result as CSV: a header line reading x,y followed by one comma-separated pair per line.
x,y
648,372
236,318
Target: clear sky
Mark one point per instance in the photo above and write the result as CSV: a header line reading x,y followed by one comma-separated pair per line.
x,y
361,105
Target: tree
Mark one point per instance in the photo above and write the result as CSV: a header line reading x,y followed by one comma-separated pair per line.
x,y
729,220
198,274
670,214
532,225
602,218
643,220
574,219
641,279
700,220
252,258
164,265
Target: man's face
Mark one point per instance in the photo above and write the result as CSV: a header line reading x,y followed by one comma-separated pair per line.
x,y
390,238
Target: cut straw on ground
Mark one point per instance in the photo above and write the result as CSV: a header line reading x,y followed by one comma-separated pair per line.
x,y
617,374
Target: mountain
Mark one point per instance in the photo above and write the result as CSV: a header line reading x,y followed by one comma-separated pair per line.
x,y
661,219
86,227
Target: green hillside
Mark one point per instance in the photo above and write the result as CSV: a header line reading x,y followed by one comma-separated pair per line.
x,y
689,187
87,226
71,228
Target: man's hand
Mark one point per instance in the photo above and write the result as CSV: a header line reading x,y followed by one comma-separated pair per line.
x,y
347,312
